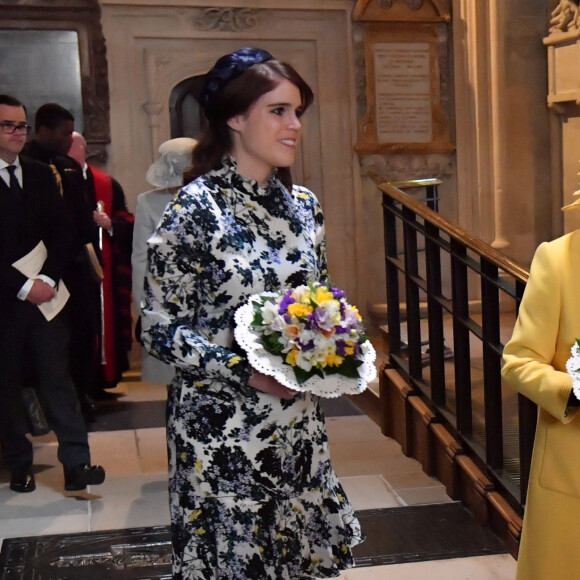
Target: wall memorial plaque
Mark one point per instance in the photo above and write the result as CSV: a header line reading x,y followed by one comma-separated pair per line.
x,y
403,92
407,97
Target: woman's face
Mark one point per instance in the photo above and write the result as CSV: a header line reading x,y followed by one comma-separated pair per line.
x,y
266,135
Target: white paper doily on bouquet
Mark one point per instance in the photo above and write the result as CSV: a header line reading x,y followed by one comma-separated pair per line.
x,y
330,386
573,368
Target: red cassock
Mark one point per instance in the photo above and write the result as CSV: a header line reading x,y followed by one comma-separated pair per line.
x,y
116,331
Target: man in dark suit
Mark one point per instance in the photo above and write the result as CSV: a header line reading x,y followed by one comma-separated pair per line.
x,y
32,211
54,127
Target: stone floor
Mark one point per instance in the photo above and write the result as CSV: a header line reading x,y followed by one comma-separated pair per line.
x,y
371,467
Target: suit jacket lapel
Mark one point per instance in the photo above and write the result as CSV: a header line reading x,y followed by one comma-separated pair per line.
x,y
4,189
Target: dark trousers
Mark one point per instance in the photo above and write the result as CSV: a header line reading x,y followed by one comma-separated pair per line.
x,y
29,341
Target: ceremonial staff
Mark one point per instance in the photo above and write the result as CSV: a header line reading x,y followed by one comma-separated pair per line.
x,y
100,208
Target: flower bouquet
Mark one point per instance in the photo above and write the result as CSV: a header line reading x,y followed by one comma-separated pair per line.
x,y
309,338
573,368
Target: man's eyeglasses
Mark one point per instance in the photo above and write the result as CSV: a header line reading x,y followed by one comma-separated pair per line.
x,y
8,127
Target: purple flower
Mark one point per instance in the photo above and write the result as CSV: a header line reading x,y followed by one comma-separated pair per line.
x,y
308,346
337,293
323,318
351,319
286,301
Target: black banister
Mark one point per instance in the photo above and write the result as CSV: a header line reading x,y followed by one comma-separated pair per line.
x,y
453,358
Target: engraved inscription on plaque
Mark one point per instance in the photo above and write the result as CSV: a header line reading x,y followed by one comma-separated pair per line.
x,y
403,92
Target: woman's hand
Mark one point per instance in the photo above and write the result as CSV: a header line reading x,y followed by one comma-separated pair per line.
x,y
271,386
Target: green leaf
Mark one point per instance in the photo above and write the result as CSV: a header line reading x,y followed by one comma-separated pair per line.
x,y
349,368
258,319
271,344
302,376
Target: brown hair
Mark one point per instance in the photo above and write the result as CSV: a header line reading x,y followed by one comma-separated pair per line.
x,y
236,98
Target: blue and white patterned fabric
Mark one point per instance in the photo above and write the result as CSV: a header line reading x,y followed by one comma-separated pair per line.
x,y
252,491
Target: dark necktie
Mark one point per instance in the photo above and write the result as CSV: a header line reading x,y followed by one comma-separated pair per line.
x,y
15,188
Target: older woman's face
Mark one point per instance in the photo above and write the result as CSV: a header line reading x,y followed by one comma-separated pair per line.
x,y
266,135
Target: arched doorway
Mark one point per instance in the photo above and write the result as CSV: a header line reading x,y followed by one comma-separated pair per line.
x,y
185,115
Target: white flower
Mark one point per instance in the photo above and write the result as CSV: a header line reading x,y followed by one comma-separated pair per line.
x,y
573,368
269,312
303,360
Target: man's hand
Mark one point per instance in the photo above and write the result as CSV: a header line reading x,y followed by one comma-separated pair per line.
x,y
102,220
270,386
40,292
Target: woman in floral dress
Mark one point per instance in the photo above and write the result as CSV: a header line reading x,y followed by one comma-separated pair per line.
x,y
252,491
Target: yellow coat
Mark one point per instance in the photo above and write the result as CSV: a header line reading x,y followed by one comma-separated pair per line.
x,y
535,364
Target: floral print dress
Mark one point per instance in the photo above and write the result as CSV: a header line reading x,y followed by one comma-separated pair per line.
x,y
252,491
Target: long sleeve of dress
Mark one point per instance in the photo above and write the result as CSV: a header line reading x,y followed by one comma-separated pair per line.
x,y
171,329
535,357
142,229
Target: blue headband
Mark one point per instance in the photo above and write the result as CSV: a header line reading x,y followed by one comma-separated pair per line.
x,y
228,68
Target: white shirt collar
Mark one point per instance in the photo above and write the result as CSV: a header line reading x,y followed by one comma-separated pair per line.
x,y
4,165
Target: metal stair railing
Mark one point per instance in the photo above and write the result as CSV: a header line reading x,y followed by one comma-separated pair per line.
x,y
470,288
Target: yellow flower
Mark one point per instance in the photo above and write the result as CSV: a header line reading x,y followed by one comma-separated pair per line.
x,y
291,357
296,309
332,360
349,348
322,294
198,465
200,532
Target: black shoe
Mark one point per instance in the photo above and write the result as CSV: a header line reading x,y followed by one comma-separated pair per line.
x,y
78,477
88,405
105,396
22,481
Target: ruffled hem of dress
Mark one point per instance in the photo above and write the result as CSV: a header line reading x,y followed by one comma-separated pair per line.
x,y
310,536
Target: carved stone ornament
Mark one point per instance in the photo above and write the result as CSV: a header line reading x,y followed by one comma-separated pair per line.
x,y
412,4
227,19
402,10
565,17
381,168
84,17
